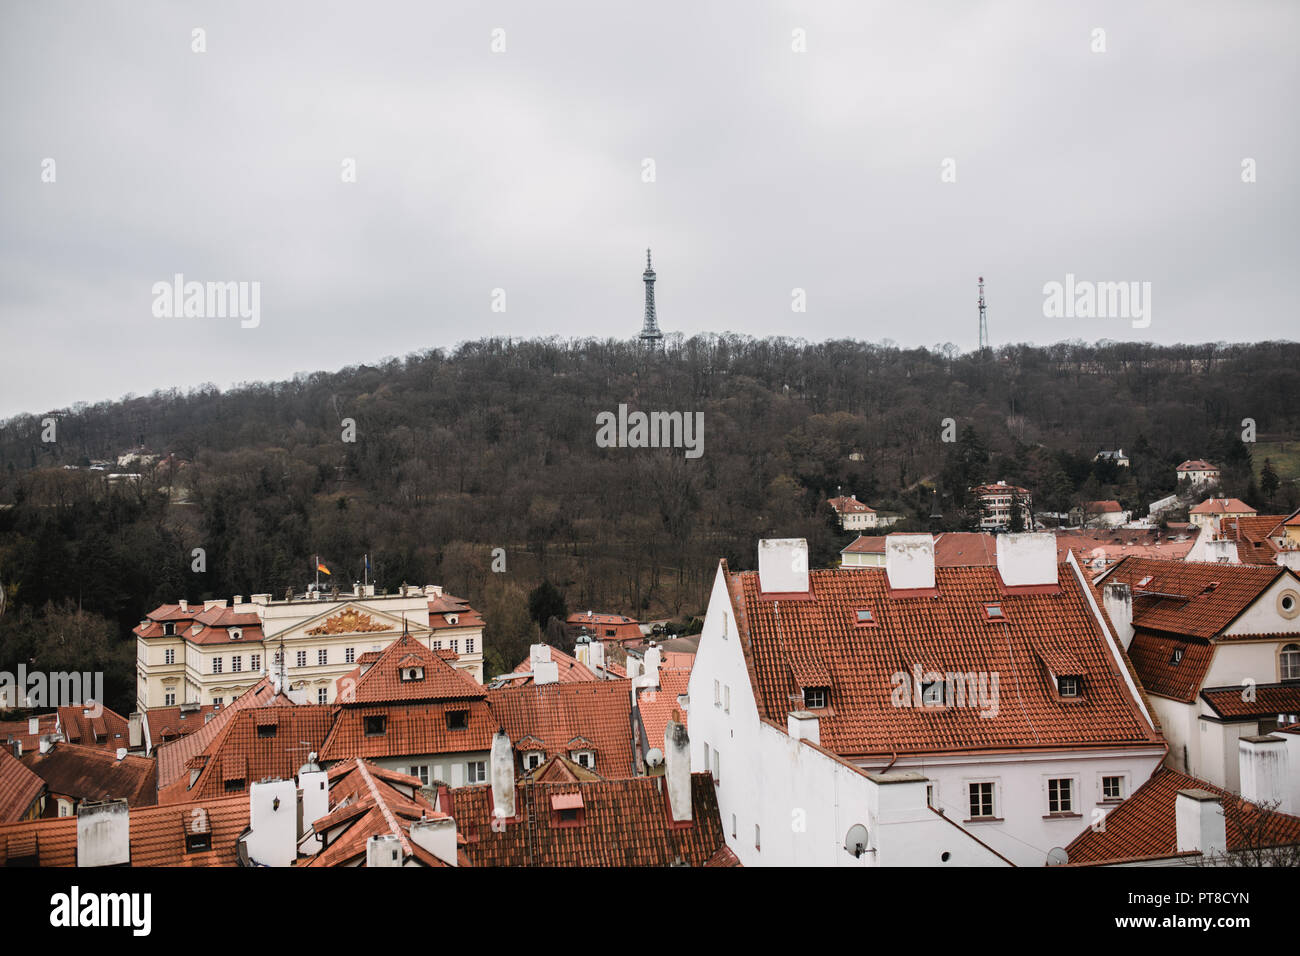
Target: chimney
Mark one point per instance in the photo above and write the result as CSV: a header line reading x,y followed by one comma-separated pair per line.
x,y
185,605
103,834
1117,600
384,849
503,776
135,731
1199,823
909,561
802,725
18,748
545,670
1221,551
652,658
1027,559
633,667
237,600
1264,772
581,650
437,836
121,753
33,725
783,566
313,791
677,770
272,838
596,651
47,744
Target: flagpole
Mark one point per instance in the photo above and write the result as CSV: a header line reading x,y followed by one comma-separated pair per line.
x,y
318,572
365,574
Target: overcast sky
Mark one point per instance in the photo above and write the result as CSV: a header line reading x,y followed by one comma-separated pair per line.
x,y
523,170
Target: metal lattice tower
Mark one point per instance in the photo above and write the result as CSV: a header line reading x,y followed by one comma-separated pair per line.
x,y
984,320
650,334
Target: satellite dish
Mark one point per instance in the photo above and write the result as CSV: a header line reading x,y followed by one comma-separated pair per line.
x,y
856,841
1057,856
655,757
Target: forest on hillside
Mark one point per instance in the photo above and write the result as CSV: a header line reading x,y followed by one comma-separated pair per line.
x,y
430,462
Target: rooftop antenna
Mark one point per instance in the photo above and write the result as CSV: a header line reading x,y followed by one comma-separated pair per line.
x,y
984,320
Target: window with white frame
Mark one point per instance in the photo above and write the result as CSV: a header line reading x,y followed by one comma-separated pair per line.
x,y
455,645
216,665
322,656
981,800
421,773
349,655
302,658
218,701
1060,795
1069,685
1289,662
1112,787
726,699
717,693
533,759
717,765
476,771
815,697
169,699
469,645
169,656
255,662
236,664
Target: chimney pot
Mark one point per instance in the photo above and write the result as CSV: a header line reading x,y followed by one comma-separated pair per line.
x,y
909,561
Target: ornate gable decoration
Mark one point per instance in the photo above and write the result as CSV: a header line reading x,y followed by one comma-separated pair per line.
x,y
350,621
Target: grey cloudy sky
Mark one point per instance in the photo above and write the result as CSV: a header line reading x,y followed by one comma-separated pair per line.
x,y
523,170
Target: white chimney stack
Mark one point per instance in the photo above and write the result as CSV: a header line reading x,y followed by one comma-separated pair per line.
x,y
503,775
438,837
384,849
677,770
33,725
909,561
803,725
652,658
103,834
545,670
1221,551
1265,776
1027,559
272,838
313,785
1199,822
783,566
596,653
1117,600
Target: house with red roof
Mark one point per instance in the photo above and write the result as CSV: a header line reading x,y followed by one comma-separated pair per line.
x,y
1217,648
1248,539
1197,471
413,711
956,715
854,515
1099,514
618,628
75,775
1211,512
590,722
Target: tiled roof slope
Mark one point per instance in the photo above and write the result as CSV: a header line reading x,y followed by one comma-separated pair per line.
x,y
1153,656
157,836
19,730
946,633
1143,827
174,756
168,723
383,682
245,751
90,773
1193,598
1269,699
658,706
18,787
556,713
570,670
109,731
624,823
411,728
1254,537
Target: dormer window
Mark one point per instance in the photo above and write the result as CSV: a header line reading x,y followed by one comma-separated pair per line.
x,y
932,694
412,673
566,809
236,633
1209,588
1177,657
815,698
584,758
865,617
376,725
452,619
169,629
457,719
533,759
1069,686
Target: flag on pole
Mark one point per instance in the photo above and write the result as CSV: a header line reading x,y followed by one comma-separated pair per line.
x,y
367,562
320,566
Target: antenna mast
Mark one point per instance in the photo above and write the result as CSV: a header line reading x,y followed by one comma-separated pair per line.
x,y
984,320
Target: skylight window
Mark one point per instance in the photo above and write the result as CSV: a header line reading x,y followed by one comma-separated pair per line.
x,y
1069,686
865,617
994,612
1144,582
1177,656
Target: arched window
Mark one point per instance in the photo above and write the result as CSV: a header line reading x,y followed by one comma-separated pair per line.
x,y
1289,661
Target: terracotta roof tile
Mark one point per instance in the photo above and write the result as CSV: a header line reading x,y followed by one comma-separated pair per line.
x,y
410,729
657,707
383,680
1170,666
19,787
109,730
1268,700
556,713
92,773
174,757
1143,826
951,633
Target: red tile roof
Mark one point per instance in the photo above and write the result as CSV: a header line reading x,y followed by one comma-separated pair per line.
x,y
383,682
1102,507
947,633
108,731
624,823
1194,598
1255,537
157,836
174,756
19,787
849,506
556,713
1143,826
91,773
243,753
168,723
1267,700
1197,464
17,730
570,670
1153,656
411,728
657,707
1221,506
